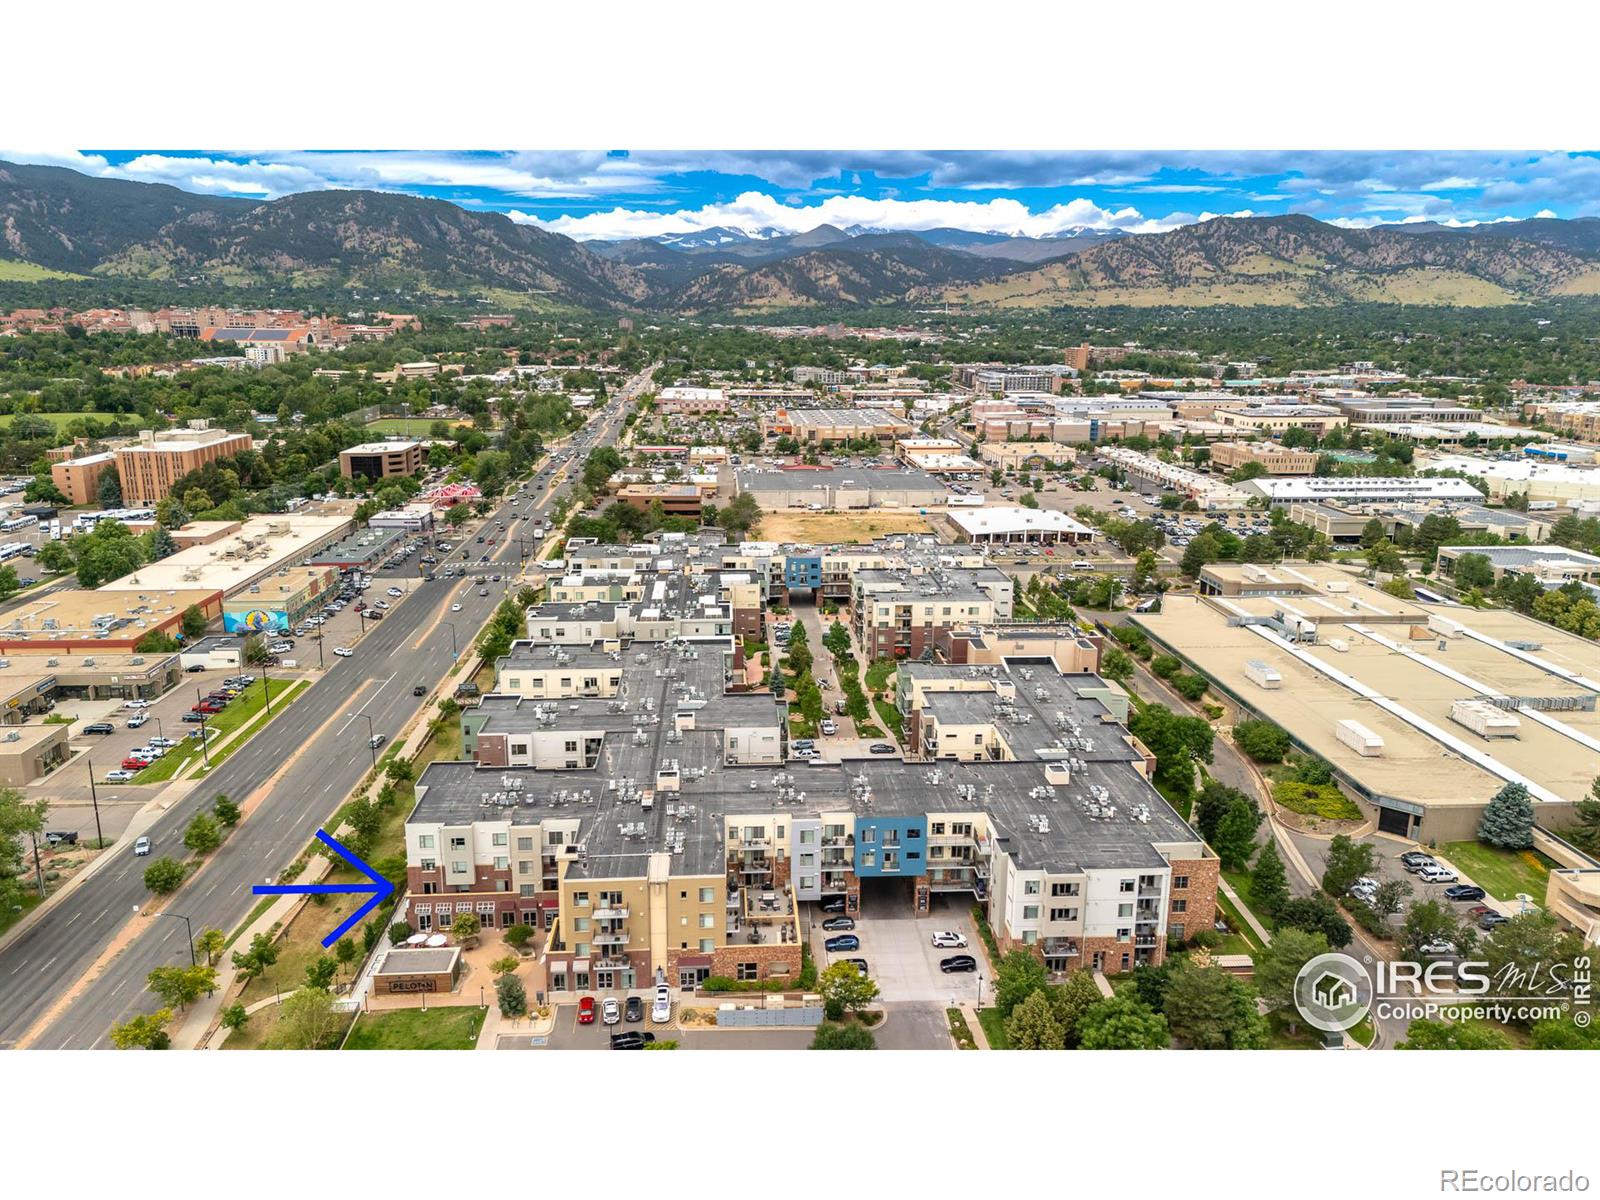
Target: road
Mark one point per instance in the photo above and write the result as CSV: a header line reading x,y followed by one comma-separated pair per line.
x,y
298,771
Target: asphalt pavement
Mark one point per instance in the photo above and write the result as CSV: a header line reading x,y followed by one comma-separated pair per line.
x,y
310,758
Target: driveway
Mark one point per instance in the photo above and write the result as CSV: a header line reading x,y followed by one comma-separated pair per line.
x,y
900,957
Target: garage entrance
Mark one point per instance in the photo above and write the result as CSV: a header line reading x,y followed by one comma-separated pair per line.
x,y
1392,820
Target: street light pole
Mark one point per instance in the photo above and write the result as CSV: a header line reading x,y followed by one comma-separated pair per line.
x,y
188,928
451,627
266,687
371,734
94,798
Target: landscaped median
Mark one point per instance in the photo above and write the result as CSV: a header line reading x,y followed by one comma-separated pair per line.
x,y
230,720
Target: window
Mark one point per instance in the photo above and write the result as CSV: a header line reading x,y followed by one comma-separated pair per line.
x,y
425,841
1124,934
910,854
458,843
502,863
1063,889
707,945
747,971
524,844
1176,930
913,833
705,921
1179,906
1179,882
580,899
707,895
1030,887
497,839
572,747
428,864
1124,910
1063,914
458,868
1030,912
524,866
580,924
808,837
527,889
1125,885
555,837
869,834
938,829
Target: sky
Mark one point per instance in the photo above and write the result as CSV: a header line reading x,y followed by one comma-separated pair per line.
x,y
621,194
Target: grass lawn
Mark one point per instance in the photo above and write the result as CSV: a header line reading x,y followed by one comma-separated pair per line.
x,y
878,674
891,718
225,722
11,916
408,426
1279,1037
1240,925
960,1030
14,271
994,1028
1315,800
451,1028
1501,873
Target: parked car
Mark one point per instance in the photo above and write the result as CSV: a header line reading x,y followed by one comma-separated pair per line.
x,y
830,727
958,964
586,1011
1492,920
61,837
949,940
882,748
1414,860
192,717
859,964
803,752
1465,891
1437,948
1434,873
141,847
633,1010
119,775
661,1006
632,1039
838,945
833,924
833,904
100,727
610,1011
343,651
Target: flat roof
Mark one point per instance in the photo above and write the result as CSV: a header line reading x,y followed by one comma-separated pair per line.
x,y
1524,556
70,615
875,418
877,478
990,520
360,547
382,447
261,546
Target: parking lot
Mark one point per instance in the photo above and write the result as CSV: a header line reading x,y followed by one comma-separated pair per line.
x,y
900,955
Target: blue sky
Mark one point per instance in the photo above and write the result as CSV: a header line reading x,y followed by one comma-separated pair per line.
x,y
620,194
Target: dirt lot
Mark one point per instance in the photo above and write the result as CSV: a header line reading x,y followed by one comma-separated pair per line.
x,y
837,527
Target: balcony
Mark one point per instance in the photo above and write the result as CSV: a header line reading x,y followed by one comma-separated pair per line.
x,y
610,937
1145,941
835,841
1150,893
1059,947
612,913
754,842
601,963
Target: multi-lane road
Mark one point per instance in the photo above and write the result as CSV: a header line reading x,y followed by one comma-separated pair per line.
x,y
80,967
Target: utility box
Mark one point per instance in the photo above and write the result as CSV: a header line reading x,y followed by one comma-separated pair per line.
x,y
1359,738
1444,626
1484,719
1258,673
1339,644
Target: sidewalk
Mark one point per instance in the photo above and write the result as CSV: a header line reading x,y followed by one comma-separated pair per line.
x,y
971,1014
1244,911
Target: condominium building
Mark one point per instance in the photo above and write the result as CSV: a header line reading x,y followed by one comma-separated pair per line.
x,y
833,426
1275,418
150,467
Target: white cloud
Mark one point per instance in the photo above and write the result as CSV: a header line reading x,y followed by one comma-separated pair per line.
x,y
1544,214
89,164
267,180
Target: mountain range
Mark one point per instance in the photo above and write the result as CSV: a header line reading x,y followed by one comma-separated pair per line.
x,y
61,221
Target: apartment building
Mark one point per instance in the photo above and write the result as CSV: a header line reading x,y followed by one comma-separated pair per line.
x,y
902,613
380,460
1278,460
1276,418
150,467
826,376
79,478
834,426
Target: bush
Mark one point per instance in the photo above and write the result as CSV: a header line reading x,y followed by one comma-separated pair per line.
x,y
831,1036
518,936
1165,666
981,920
1315,800
1190,687
1368,917
164,876
1261,741
398,932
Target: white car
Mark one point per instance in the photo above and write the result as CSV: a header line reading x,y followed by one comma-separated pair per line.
x,y
162,741
455,608
137,720
1437,948
382,604
394,591
1434,873
119,776
141,847
343,651
948,940
134,705
610,1011
661,1007
830,727
280,648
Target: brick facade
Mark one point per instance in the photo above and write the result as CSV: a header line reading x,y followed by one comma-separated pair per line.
x,y
772,962
1200,897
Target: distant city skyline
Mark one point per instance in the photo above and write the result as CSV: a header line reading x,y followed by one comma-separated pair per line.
x,y
619,194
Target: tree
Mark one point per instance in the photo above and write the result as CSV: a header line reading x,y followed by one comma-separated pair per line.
x,y
1473,571
506,965
307,1020
1197,554
1532,956
1269,883
1584,833
400,931
55,557
1018,975
465,926
1390,897
740,515
1123,1023
255,649
1178,742
1446,1035
517,936
1278,966
164,876
1070,1001
19,819
845,989
226,810
1372,533
1347,862
831,1036
320,972
194,622
179,987
1432,921
253,961
1032,1025
108,492
1507,822
345,951
9,582
234,1017
511,996
211,943
1116,665
147,1032
1262,741
202,836
1317,914
1212,1010
1236,833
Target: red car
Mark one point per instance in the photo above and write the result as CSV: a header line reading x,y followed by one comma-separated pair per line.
x,y
139,764
208,706
586,1011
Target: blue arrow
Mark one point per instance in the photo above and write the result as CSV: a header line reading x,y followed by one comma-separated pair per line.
x,y
380,888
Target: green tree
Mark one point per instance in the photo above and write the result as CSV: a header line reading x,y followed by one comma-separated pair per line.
x,y
1123,1023
1071,1001
1584,832
1269,883
1433,921
1116,665
20,822
1473,571
234,1017
108,492
465,927
832,1036
1212,1010
179,987
1198,553
1177,742
1446,1035
164,876
1372,533
1348,861
307,1020
1278,966
516,937
202,836
1017,976
1261,741
211,943
400,931
1318,914
1390,897
1236,833
845,990
253,961
146,1032
346,952
320,972
505,965
1507,821
1532,956
511,996
226,810
194,622
1033,1025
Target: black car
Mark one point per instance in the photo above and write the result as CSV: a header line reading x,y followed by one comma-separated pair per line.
x,y
958,963
882,748
100,727
832,904
1465,891
192,718
195,668
1492,920
859,964
61,837
633,1010
633,1039
838,945
840,923
420,689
